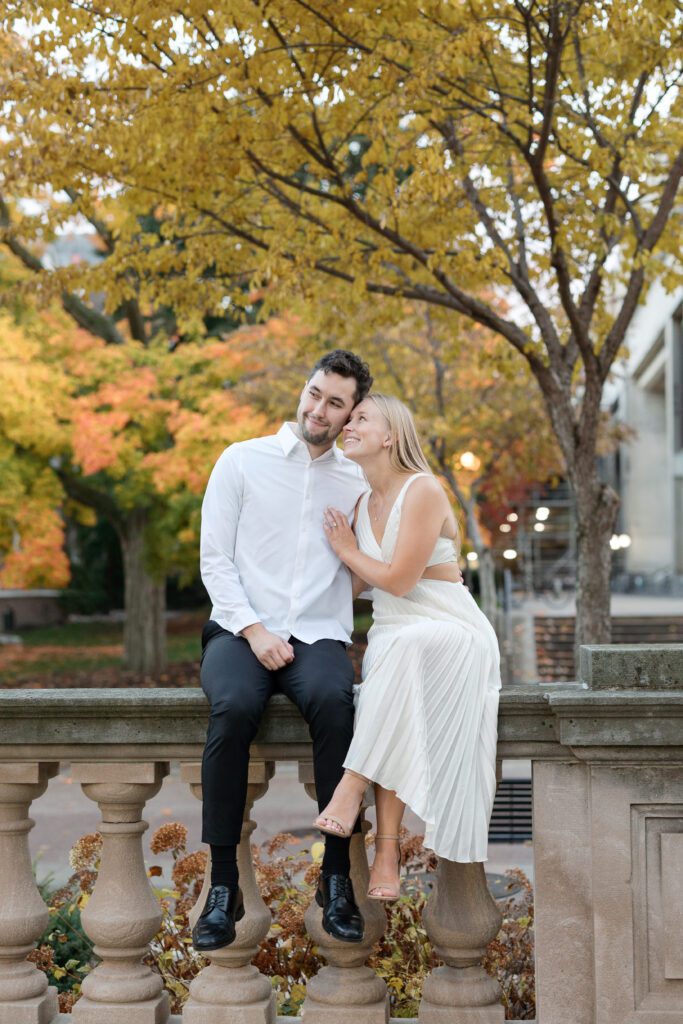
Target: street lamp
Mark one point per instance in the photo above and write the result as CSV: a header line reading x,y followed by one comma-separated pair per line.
x,y
509,553
468,460
620,540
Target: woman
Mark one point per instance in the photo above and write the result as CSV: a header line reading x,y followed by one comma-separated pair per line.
x,y
425,730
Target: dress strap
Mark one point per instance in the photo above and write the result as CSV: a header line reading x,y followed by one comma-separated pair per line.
x,y
366,538
363,506
401,493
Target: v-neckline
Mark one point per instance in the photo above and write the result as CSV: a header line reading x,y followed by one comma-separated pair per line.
x,y
379,543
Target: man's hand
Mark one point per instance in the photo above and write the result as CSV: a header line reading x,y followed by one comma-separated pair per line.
x,y
271,650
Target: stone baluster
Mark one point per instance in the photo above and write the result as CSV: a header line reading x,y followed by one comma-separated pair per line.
x,y
461,918
231,990
24,994
346,989
122,915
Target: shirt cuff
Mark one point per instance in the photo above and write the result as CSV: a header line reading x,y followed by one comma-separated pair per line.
x,y
241,619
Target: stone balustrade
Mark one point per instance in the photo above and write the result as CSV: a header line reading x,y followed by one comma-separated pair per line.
x,y
607,755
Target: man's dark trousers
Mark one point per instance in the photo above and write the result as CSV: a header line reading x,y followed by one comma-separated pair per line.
x,y
319,681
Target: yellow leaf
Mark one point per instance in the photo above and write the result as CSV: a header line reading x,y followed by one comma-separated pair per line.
x,y
317,852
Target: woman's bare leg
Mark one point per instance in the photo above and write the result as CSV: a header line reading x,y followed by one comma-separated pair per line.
x,y
345,802
389,817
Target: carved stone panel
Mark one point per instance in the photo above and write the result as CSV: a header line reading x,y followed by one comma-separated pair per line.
x,y
637,852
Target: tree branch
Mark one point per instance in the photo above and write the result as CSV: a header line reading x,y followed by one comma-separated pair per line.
x,y
85,316
651,236
79,490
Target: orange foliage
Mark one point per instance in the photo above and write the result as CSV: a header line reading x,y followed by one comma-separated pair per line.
x,y
39,559
141,424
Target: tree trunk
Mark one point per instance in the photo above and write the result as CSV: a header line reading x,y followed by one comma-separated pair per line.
x,y
487,574
487,585
144,632
596,509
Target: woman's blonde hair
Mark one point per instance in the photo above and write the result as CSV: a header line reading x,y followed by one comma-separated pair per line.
x,y
406,453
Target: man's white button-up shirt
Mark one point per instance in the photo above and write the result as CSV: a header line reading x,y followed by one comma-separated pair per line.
x,y
264,554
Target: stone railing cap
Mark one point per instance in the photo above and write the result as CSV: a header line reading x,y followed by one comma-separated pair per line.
x,y
632,666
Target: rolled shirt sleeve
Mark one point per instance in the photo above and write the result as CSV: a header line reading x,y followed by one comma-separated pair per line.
x,y
220,517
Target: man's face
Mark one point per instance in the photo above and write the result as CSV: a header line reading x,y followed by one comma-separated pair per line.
x,y
325,406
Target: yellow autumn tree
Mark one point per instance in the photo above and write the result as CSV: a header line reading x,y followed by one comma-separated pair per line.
x,y
516,162
31,528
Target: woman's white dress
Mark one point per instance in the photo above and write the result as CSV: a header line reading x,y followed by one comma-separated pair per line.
x,y
426,713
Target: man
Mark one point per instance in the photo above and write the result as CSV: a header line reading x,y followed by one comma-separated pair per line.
x,y
280,622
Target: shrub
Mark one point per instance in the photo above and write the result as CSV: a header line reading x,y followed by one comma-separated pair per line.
x,y
287,880
64,951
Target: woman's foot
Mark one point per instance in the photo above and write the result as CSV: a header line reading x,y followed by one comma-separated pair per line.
x,y
385,873
339,817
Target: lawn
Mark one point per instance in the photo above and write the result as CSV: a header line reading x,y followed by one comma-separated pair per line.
x,y
66,654
91,654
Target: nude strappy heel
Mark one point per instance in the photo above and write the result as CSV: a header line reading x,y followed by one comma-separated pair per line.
x,y
345,829
392,888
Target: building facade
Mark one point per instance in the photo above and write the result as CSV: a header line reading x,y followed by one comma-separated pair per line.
x,y
650,465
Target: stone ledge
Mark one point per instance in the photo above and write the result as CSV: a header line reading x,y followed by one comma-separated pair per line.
x,y
172,723
539,720
632,666
624,718
604,699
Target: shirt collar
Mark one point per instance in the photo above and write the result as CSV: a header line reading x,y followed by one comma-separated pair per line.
x,y
289,440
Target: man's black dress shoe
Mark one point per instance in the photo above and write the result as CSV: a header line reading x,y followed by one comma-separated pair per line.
x,y
216,926
341,917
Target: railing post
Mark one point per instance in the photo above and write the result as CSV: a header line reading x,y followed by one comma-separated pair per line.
x,y
231,990
122,914
461,918
346,990
24,994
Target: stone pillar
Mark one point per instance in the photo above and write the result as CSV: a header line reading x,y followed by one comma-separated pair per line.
x,y
346,990
122,914
231,990
24,994
563,893
461,918
607,889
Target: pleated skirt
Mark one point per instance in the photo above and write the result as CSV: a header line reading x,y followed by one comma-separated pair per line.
x,y
426,713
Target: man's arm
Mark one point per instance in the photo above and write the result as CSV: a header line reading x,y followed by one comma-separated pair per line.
x,y
221,510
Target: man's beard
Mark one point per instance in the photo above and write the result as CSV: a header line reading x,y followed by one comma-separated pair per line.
x,y
322,436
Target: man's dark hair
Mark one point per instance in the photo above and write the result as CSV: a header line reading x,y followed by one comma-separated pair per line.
x,y
346,364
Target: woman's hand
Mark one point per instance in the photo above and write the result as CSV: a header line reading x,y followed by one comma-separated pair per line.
x,y
340,535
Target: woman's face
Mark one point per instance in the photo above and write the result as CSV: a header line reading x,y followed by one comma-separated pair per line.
x,y
367,432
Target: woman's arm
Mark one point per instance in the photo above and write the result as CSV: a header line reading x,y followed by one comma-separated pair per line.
x,y
424,509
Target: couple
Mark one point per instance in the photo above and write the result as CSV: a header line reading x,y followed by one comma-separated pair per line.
x,y
281,564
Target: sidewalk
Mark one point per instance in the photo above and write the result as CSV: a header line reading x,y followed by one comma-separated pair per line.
x,y
631,605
